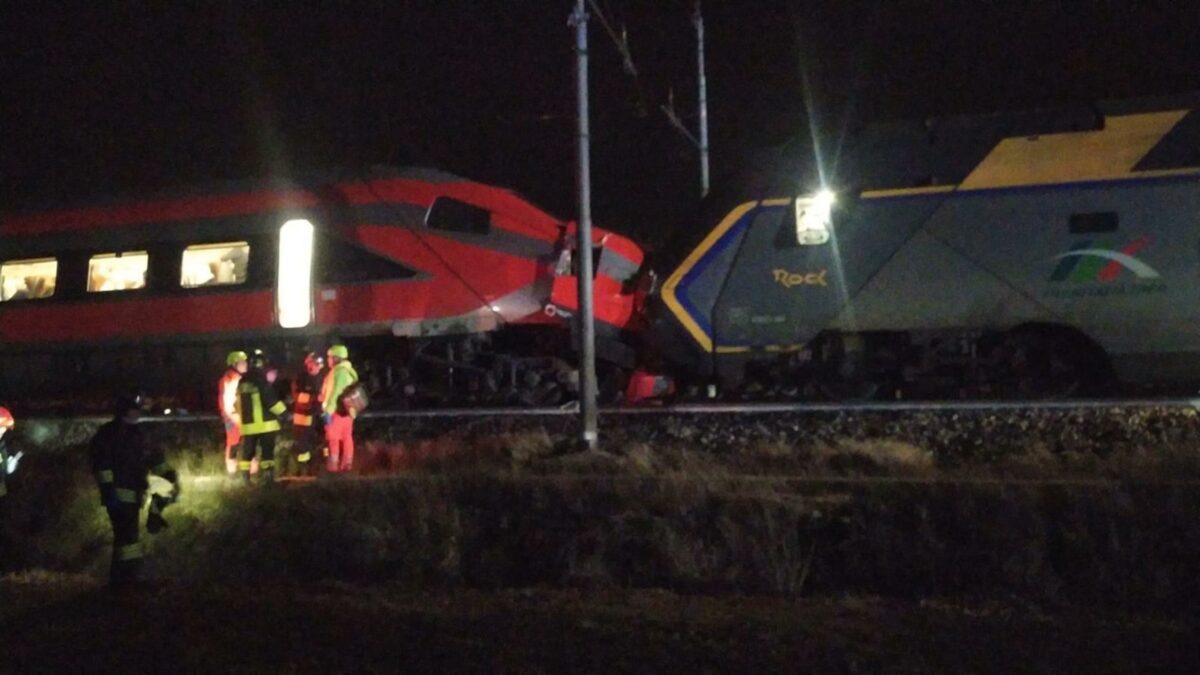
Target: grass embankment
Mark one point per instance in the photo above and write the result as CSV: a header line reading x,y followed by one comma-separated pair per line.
x,y
865,517
61,623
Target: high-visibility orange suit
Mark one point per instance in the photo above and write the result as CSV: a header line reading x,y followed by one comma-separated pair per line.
x,y
227,404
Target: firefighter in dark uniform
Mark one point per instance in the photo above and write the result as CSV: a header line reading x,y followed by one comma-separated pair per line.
x,y
308,432
260,409
122,462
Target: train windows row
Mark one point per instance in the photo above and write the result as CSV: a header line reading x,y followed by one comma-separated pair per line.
x,y
202,265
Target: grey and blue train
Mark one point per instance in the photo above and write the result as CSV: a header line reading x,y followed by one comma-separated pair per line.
x,y
1048,253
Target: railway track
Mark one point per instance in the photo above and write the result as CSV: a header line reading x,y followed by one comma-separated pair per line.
x,y
726,408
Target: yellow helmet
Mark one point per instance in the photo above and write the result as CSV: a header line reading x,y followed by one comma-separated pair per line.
x,y
235,357
339,351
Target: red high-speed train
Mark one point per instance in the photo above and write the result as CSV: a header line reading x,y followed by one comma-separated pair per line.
x,y
445,289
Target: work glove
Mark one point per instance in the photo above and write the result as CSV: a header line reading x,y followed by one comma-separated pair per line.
x,y
326,418
10,466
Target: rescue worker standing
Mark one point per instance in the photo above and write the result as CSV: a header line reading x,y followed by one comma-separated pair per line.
x,y
122,460
259,409
308,430
227,404
339,421
8,464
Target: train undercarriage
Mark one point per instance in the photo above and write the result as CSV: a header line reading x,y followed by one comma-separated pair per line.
x,y
1029,362
517,366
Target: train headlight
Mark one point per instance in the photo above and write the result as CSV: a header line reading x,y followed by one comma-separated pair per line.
x,y
814,218
294,293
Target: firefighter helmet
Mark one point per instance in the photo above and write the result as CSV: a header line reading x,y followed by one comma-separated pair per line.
x,y
6,418
339,351
235,358
314,362
130,400
258,359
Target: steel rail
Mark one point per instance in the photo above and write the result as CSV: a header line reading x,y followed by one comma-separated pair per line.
x,y
798,407
816,480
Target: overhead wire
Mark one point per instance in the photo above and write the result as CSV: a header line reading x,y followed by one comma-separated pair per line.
x,y
621,43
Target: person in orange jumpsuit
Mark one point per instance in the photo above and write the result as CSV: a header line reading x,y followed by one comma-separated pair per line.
x,y
237,363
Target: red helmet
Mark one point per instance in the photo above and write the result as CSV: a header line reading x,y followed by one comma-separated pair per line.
x,y
314,362
6,418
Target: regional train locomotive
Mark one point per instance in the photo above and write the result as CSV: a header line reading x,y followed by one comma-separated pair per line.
x,y
446,290
1052,253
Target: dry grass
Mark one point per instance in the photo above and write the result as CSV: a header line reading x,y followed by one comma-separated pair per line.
x,y
513,511
66,626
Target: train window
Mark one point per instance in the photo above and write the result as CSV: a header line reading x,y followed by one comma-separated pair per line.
x,y
214,264
1091,223
452,215
124,271
28,279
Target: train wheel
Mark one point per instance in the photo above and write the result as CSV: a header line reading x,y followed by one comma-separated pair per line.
x,y
848,382
1050,362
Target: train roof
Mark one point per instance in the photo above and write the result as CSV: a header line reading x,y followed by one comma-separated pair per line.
x,y
1160,133
329,189
305,181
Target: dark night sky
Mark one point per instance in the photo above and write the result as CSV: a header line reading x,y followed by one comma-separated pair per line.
x,y
122,99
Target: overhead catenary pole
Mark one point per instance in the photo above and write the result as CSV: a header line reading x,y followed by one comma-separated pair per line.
x,y
698,21
585,319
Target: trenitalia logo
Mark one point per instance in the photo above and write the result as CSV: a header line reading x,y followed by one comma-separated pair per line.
x,y
1098,261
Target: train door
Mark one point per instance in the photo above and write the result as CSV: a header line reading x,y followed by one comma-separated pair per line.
x,y
294,282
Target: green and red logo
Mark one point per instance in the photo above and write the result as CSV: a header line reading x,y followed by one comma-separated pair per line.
x,y
1099,261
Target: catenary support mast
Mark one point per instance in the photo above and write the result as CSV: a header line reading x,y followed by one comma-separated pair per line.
x,y
585,319
698,21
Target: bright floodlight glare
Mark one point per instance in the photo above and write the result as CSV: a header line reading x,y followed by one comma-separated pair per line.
x,y
824,198
294,293
814,218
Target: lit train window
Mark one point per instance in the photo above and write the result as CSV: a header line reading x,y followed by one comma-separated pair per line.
x,y
214,264
28,279
125,271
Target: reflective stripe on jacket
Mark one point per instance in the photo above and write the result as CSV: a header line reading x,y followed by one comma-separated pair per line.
x,y
122,460
257,405
337,379
305,405
227,394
